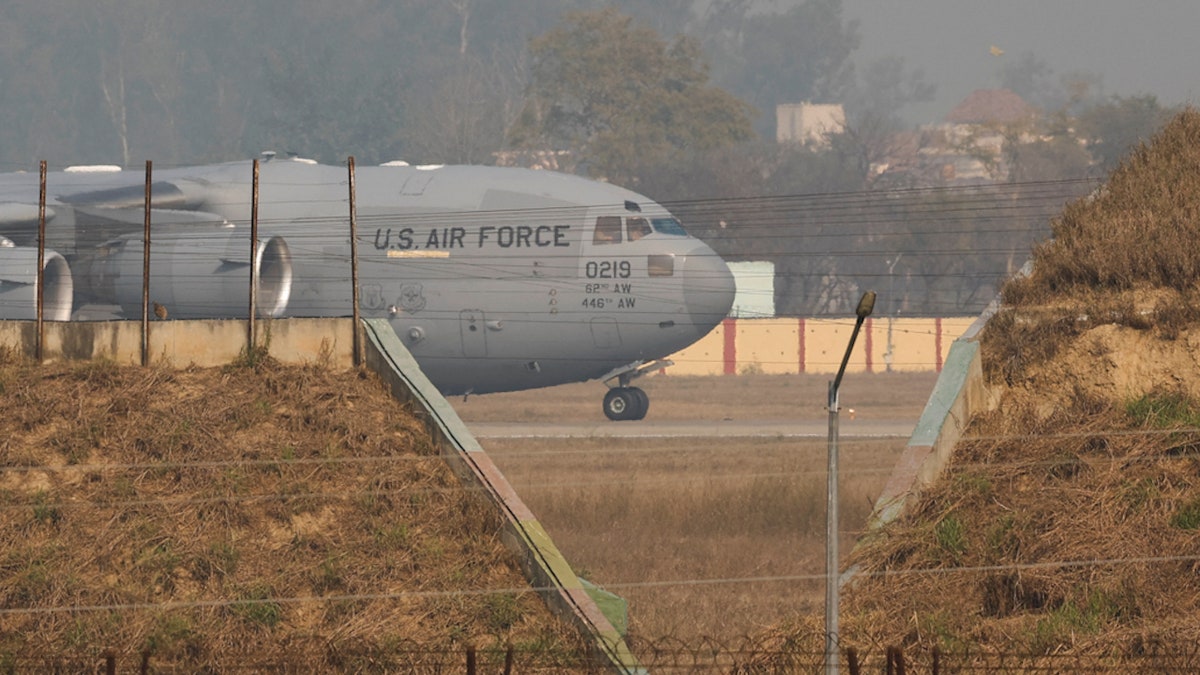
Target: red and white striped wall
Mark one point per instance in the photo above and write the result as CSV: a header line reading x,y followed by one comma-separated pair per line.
x,y
789,346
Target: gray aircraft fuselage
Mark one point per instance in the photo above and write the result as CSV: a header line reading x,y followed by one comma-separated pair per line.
x,y
496,279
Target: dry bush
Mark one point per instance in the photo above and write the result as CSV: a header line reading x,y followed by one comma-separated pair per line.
x,y
1017,341
1175,312
1139,229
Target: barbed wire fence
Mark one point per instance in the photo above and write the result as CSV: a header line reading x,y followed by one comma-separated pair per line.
x,y
745,656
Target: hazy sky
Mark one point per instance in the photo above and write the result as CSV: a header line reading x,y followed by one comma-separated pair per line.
x,y
1146,47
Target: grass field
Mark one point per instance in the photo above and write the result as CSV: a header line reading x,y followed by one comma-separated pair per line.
x,y
705,537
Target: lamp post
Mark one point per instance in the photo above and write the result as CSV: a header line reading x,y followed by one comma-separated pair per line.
x,y
891,296
865,305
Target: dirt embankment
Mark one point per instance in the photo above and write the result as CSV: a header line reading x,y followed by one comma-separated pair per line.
x,y
220,517
1068,522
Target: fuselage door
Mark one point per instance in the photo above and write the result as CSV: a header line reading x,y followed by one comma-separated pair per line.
x,y
605,334
474,333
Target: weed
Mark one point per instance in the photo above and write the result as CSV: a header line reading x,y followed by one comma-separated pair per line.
x,y
78,636
753,368
32,584
45,511
298,497
329,576
503,611
1069,619
159,561
98,372
169,631
1003,538
256,606
975,483
1163,410
253,357
392,538
220,561
1139,494
940,624
950,533
1188,516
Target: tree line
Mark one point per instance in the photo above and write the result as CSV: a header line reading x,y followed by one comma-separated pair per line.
x,y
672,98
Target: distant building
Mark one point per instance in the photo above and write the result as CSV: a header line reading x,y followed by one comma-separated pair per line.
x,y
991,107
808,123
967,147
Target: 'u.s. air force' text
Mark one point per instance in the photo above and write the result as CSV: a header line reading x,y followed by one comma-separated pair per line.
x,y
503,236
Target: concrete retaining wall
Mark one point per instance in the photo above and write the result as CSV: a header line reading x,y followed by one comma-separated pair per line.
x,y
544,565
202,343
960,393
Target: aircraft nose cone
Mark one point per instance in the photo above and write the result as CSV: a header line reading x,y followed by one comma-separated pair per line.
x,y
707,288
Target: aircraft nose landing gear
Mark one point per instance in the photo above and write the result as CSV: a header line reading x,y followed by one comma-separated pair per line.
x,y
625,403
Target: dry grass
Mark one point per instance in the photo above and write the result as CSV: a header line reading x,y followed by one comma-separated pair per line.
x,y
706,538
740,397
1140,229
288,515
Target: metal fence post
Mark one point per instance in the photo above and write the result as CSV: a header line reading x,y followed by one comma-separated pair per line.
x,y
41,261
354,265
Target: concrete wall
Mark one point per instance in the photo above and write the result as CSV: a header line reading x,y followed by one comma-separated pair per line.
x,y
790,346
213,342
960,393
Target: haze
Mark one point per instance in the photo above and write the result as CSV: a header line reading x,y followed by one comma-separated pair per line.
x,y
1137,48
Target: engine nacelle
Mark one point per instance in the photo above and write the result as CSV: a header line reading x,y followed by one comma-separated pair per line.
x,y
202,273
18,284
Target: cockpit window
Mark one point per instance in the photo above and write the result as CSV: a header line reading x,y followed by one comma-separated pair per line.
x,y
608,230
637,227
668,226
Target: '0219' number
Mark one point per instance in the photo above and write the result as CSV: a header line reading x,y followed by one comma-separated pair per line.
x,y
608,269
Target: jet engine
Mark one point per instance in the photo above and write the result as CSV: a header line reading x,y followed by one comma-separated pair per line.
x,y
199,272
18,283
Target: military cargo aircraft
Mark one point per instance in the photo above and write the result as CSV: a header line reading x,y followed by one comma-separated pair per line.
x,y
496,279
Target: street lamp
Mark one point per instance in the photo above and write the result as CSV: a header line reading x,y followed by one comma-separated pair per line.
x,y
865,305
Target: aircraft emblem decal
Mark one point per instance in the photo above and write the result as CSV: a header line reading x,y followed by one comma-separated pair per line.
x,y
372,296
412,298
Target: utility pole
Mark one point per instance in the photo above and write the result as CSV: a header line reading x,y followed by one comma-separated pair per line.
x,y
865,305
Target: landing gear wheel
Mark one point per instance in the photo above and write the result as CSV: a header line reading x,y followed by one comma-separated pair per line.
x,y
643,403
625,403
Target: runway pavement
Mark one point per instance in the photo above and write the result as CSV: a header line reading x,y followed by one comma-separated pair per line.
x,y
651,428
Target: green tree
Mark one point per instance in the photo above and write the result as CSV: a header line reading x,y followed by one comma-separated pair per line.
x,y
802,54
620,97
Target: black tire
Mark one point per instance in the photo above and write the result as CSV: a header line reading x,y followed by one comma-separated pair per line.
x,y
643,403
621,404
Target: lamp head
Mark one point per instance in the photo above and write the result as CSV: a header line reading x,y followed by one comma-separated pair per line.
x,y
866,305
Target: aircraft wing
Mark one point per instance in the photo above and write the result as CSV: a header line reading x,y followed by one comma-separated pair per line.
x,y
17,214
94,247
163,195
